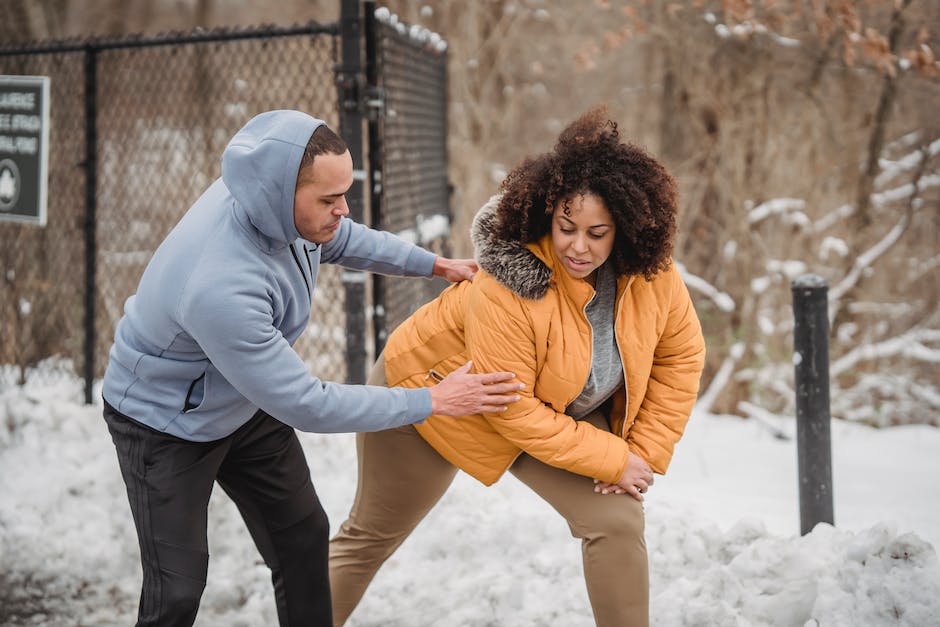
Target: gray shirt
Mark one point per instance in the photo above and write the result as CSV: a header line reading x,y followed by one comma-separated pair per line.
x,y
606,368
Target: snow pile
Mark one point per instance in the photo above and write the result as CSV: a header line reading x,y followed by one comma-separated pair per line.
x,y
721,531
828,577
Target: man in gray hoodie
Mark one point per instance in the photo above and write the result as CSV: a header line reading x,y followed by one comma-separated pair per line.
x,y
203,384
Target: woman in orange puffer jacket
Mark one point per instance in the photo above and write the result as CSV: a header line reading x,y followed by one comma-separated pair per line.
x,y
578,297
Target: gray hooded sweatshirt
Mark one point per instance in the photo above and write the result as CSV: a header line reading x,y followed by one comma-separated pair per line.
x,y
206,340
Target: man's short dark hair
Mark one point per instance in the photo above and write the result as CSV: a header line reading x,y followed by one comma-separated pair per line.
x,y
323,141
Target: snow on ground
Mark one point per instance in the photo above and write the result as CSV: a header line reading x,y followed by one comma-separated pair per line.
x,y
722,532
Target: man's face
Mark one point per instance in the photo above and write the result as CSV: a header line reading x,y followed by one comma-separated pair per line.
x,y
320,201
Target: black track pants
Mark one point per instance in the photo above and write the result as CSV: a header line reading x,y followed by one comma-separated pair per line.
x,y
262,468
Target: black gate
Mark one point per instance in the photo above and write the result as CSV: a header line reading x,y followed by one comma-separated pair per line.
x,y
408,140
137,128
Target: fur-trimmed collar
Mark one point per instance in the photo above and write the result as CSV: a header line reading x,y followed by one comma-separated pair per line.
x,y
511,263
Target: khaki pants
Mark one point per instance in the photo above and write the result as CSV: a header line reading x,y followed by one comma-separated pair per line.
x,y
401,477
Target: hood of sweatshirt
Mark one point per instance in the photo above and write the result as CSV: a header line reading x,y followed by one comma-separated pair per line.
x,y
259,168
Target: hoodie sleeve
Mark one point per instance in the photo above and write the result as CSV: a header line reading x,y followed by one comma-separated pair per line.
x,y
234,326
360,248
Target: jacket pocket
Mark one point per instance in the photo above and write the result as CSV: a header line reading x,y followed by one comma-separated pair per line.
x,y
195,393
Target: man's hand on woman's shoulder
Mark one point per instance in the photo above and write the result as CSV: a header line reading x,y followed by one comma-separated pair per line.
x,y
455,270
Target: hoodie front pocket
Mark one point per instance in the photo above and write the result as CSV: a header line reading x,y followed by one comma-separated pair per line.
x,y
195,393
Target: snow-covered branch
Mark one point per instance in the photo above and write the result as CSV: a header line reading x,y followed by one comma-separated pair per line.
x,y
926,393
721,299
721,378
767,419
907,163
906,191
885,310
924,267
890,170
865,260
791,208
830,219
747,29
833,245
910,345
789,268
905,142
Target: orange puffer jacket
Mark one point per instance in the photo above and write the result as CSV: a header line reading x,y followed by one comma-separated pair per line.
x,y
524,313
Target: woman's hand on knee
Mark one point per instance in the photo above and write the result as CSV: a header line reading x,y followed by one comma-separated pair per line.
x,y
602,487
636,479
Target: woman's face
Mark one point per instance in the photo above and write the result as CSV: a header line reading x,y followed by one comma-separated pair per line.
x,y
583,238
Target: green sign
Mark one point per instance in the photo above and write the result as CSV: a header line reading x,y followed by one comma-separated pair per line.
x,y
24,148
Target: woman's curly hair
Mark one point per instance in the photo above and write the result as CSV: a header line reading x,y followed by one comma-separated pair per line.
x,y
590,158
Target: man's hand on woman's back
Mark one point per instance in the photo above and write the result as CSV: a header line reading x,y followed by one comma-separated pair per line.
x,y
461,393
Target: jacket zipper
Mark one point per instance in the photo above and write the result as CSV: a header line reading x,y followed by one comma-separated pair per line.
x,y
431,373
623,365
591,345
309,265
293,253
591,327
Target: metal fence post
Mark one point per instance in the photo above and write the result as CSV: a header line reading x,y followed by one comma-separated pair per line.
x,y
349,82
811,361
374,109
91,252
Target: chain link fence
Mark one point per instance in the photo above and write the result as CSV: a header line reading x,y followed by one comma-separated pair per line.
x,y
43,268
163,111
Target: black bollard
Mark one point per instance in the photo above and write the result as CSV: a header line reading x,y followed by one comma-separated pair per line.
x,y
811,361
